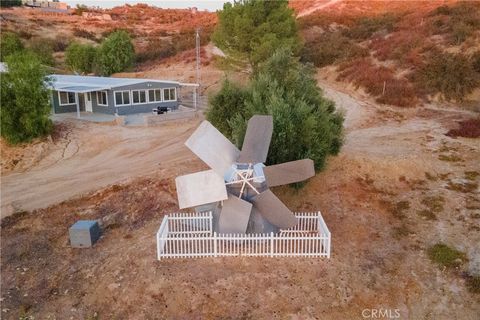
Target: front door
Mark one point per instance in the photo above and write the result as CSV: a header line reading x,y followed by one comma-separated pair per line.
x,y
88,101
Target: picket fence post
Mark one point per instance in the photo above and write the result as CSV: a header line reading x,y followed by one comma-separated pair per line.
x,y
215,244
271,244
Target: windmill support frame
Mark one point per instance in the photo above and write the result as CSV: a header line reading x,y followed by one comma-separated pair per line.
x,y
190,235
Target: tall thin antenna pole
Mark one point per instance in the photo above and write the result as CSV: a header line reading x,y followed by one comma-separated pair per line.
x,y
197,67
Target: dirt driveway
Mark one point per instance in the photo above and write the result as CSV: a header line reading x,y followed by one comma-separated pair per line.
x,y
89,156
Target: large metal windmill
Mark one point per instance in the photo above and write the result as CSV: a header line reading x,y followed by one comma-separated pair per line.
x,y
238,183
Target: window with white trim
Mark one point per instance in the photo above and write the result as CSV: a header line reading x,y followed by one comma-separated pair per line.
x,y
154,95
102,99
139,96
122,98
169,94
67,98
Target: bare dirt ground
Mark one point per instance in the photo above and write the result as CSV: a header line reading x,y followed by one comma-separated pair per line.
x,y
89,156
378,261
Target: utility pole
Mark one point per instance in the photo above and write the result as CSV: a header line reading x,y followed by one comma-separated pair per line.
x,y
197,68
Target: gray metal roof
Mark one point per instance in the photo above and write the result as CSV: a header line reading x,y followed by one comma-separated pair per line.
x,y
81,84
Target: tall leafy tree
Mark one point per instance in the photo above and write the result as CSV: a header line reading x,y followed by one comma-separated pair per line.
x,y
25,106
306,124
115,54
251,30
80,57
9,43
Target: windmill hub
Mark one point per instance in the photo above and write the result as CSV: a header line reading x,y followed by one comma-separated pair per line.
x,y
245,180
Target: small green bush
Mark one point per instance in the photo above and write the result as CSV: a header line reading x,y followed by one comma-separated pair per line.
x,y
452,75
80,57
115,54
445,256
10,43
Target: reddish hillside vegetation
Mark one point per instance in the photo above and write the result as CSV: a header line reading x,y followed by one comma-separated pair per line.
x,y
401,51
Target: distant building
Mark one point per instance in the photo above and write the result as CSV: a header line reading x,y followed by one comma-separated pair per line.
x,y
48,4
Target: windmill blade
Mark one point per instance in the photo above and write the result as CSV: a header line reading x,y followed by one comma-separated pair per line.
x,y
200,188
234,215
289,172
213,148
257,140
274,210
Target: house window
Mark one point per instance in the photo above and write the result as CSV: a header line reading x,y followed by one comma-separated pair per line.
x,y
102,98
66,98
154,95
170,94
122,98
139,96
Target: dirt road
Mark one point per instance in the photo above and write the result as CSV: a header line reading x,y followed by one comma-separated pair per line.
x,y
91,156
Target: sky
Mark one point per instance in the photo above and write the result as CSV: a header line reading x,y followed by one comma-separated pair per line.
x,y
210,5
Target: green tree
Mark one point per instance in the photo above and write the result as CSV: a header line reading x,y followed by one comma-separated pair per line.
x,y
80,57
25,106
306,125
116,53
251,30
9,44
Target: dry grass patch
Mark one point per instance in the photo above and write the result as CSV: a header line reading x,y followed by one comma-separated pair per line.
x,y
471,175
450,158
465,187
434,203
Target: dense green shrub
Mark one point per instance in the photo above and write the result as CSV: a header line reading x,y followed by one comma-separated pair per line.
x,y
225,105
80,57
9,43
251,30
306,125
452,75
331,47
25,107
115,54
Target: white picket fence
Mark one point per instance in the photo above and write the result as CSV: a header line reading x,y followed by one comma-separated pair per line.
x,y
189,235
